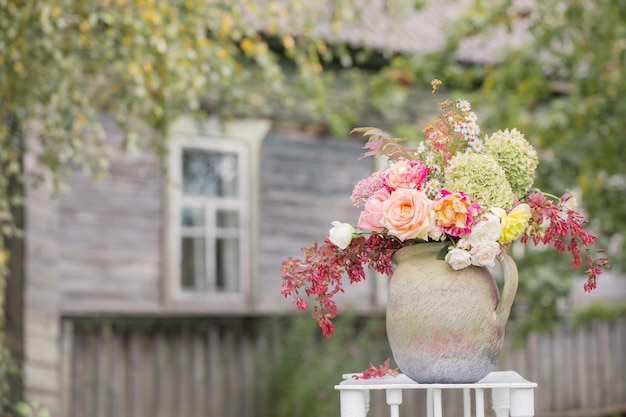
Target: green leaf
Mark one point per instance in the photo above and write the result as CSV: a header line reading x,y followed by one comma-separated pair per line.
x,y
443,252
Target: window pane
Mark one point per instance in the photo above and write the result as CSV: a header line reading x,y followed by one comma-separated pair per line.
x,y
192,216
227,264
193,265
210,173
227,219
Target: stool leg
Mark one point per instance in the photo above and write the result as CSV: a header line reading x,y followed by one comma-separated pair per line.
x,y
352,403
394,399
522,402
467,403
480,402
501,401
429,402
437,411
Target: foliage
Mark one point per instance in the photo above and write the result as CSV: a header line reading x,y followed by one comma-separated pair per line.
x,y
7,369
32,410
145,62
599,310
537,303
293,373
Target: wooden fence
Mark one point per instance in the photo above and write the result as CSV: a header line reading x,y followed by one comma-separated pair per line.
x,y
223,368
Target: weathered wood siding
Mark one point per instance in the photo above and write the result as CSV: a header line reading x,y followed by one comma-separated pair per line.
x,y
305,184
112,231
207,368
41,361
111,236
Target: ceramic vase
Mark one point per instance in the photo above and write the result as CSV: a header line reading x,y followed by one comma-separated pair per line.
x,y
446,326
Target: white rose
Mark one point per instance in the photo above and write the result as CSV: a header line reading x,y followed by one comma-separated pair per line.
x,y
458,258
463,244
435,233
485,231
485,254
341,234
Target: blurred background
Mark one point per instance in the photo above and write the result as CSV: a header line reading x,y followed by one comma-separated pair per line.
x,y
160,159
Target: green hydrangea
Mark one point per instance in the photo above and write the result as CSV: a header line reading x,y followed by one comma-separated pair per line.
x,y
480,177
516,156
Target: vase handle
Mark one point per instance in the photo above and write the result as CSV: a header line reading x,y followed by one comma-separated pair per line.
x,y
503,310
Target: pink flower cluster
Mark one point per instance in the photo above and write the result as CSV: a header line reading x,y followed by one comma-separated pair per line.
x,y
406,173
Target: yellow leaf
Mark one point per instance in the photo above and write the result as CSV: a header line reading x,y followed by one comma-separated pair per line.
x,y
133,68
225,26
247,46
321,47
18,67
289,42
4,256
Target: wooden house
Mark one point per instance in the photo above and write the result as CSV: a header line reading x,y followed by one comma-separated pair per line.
x,y
128,283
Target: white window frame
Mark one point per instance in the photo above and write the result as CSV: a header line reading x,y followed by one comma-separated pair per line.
x,y
209,299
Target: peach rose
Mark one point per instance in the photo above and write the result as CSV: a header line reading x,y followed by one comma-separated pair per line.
x,y
407,214
372,215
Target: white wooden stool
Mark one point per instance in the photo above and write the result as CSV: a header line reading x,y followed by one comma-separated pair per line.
x,y
511,395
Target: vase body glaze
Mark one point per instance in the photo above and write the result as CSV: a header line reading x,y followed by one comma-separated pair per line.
x,y
446,326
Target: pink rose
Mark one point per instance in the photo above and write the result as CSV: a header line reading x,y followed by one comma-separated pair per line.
x,y
406,173
407,214
454,212
372,215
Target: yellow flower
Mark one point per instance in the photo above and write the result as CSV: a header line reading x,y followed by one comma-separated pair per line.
x,y
4,257
514,223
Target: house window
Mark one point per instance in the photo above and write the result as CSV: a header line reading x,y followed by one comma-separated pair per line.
x,y
210,217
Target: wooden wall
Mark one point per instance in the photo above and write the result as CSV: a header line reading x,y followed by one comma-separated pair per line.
x,y
41,360
306,184
112,231
111,237
210,368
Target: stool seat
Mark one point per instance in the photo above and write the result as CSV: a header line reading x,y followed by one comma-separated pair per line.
x,y
512,395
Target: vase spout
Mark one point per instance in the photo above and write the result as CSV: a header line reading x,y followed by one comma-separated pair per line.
x,y
503,310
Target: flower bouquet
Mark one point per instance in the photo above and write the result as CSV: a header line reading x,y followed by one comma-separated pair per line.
x,y
459,186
